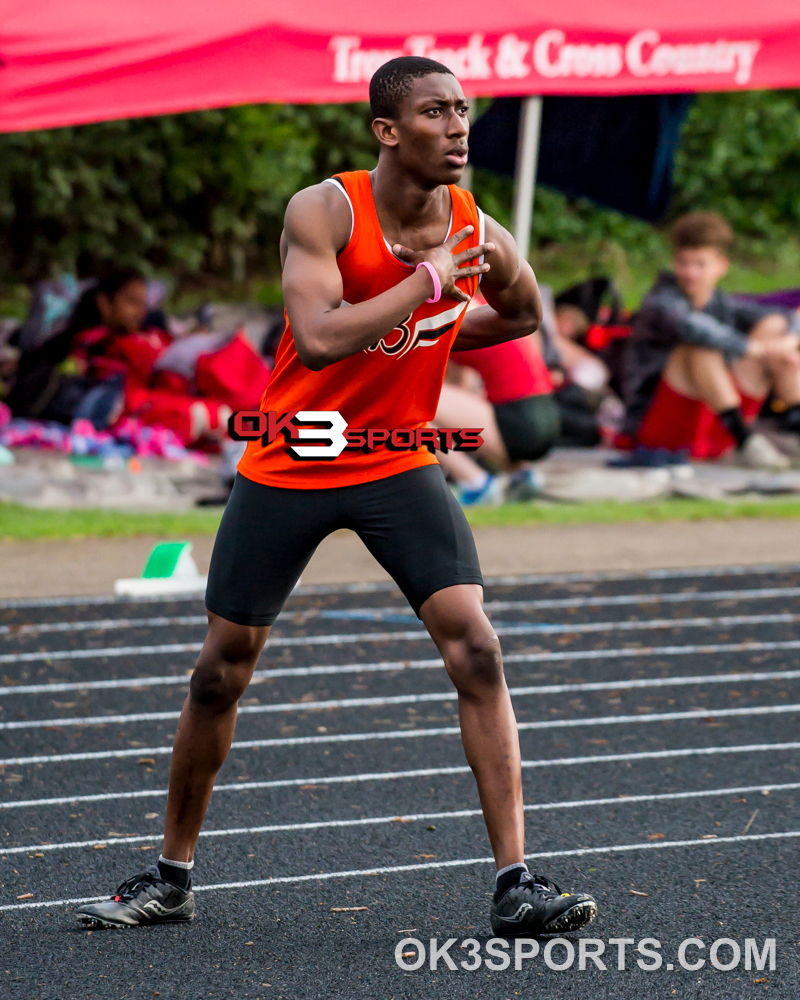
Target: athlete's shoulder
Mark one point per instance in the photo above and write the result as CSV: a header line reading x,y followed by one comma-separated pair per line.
x,y
322,201
318,216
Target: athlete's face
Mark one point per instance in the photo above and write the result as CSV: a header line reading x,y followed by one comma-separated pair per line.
x,y
430,134
125,311
697,271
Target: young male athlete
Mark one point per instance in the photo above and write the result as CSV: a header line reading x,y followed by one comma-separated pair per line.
x,y
701,362
377,271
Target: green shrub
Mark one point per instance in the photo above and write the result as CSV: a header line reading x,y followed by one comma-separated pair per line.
x,y
202,195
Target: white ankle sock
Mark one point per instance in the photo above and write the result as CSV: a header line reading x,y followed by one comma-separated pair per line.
x,y
478,482
508,868
188,865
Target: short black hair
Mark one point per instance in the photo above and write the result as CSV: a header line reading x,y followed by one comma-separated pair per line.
x,y
702,229
85,314
392,81
112,282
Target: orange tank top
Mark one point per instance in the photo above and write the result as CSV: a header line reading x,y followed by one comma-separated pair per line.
x,y
394,384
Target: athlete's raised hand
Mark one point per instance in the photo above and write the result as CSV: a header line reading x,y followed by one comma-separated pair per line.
x,y
449,266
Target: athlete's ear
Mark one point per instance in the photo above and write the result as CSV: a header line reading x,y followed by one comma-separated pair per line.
x,y
385,131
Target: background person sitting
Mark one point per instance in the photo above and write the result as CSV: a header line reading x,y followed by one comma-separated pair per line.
x,y
113,360
111,342
700,363
50,387
576,310
512,401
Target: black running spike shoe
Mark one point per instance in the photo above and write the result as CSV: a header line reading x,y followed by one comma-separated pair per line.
x,y
537,906
144,899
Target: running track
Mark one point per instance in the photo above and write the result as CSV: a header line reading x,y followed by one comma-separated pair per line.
x,y
658,723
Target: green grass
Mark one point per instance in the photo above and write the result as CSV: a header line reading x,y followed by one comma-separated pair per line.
x,y
28,523
615,512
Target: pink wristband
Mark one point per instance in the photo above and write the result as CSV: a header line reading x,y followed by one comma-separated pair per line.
x,y
437,285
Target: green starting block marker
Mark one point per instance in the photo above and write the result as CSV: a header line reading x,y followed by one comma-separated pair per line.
x,y
170,559
170,569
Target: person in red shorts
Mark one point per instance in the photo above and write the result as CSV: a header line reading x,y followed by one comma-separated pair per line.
x,y
378,268
700,363
516,410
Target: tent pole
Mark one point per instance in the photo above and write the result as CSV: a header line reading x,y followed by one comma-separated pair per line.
x,y
530,121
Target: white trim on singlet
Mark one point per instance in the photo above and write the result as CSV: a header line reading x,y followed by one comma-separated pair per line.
x,y
481,235
340,187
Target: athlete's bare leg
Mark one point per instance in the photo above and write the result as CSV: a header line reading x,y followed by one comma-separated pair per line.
x,y
459,466
779,366
461,408
701,373
205,729
471,652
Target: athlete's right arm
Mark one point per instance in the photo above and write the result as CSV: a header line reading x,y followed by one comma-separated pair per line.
x,y
316,229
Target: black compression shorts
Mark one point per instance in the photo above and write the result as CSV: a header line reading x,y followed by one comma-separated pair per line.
x,y
529,427
410,522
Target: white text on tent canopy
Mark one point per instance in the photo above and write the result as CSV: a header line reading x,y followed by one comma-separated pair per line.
x,y
553,56
352,64
646,54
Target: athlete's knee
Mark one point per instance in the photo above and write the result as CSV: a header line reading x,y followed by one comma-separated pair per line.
x,y
701,358
217,684
687,364
683,354
771,327
225,666
474,662
783,354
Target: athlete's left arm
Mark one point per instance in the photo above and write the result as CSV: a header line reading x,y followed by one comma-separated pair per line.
x,y
514,307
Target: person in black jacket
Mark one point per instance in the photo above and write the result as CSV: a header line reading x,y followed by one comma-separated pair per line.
x,y
697,354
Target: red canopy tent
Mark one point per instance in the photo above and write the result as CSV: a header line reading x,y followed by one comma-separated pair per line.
x,y
65,62
70,61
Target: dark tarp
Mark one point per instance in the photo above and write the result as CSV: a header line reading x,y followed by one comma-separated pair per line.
x,y
617,151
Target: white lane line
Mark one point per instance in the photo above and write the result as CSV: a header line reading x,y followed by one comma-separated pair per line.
x,y
602,576
375,775
102,624
331,824
763,593
650,574
389,666
680,597
496,581
261,675
434,696
700,572
399,734
195,647
658,845
378,614
94,601
83,654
